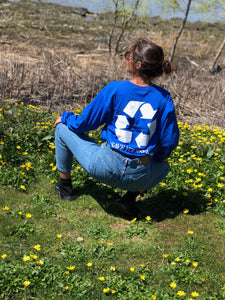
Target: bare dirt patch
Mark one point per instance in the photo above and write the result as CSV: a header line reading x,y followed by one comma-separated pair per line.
x,y
121,226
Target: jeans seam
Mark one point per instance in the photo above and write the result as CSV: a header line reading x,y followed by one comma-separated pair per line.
x,y
82,148
109,158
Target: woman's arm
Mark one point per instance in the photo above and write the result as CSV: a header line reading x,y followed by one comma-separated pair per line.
x,y
97,113
169,135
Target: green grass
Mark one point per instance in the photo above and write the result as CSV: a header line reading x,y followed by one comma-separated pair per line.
x,y
174,250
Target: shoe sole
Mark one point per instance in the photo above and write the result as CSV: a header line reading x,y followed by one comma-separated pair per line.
x,y
131,212
64,197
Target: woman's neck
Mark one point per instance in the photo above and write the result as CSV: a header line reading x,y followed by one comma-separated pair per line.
x,y
139,81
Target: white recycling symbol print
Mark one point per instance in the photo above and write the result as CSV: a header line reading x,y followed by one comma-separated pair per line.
x,y
131,109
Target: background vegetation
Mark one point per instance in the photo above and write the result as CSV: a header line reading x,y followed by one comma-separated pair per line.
x,y
56,58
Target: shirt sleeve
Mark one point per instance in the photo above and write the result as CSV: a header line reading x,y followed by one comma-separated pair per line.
x,y
97,113
169,136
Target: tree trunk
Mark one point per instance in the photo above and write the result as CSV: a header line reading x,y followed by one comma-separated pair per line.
x,y
116,14
218,54
179,32
125,22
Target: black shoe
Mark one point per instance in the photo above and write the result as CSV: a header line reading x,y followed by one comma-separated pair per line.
x,y
65,190
127,204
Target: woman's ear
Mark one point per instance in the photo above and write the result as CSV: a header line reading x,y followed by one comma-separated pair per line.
x,y
138,65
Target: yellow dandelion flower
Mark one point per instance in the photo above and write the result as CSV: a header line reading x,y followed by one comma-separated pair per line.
x,y
52,146
71,268
89,264
201,174
25,153
22,187
18,147
194,294
198,179
190,232
33,256
26,283
59,236
110,244
26,258
3,256
173,285
39,262
101,278
189,181
153,297
181,293
132,269
66,287
166,255
186,211
37,247
28,215
195,264
6,208
134,220
142,277
148,218
113,291
113,268
106,290
177,259
143,265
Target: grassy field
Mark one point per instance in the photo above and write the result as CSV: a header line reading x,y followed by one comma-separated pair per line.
x,y
86,249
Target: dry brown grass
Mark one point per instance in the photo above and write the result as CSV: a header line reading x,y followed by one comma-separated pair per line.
x,y
60,80
52,68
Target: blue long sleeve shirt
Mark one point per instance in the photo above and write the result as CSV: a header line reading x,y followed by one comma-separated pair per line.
x,y
139,121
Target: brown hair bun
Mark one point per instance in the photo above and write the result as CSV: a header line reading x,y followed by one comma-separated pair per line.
x,y
167,67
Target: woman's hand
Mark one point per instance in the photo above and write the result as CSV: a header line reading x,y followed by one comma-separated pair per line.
x,y
166,161
58,121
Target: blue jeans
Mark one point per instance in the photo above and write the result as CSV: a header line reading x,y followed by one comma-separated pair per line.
x,y
105,164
